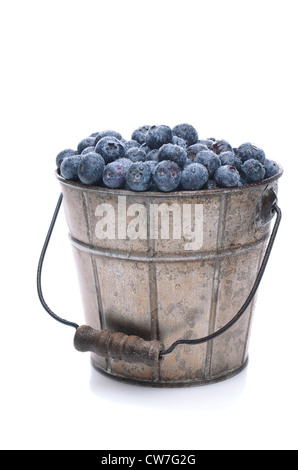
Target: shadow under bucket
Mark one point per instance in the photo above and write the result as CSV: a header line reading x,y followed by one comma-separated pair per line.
x,y
164,267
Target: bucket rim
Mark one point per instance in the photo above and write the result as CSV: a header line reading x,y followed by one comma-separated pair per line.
x,y
160,194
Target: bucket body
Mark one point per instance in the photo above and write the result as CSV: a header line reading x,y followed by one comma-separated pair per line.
x,y
168,266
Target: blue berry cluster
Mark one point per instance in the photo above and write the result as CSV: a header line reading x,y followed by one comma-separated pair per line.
x,y
161,158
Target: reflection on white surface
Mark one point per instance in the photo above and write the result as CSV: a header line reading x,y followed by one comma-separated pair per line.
x,y
219,396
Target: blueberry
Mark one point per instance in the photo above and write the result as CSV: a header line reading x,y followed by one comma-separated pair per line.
x,y
271,168
167,175
194,176
173,152
237,163
126,187
87,142
110,148
108,133
253,171
139,176
153,187
211,184
91,168
64,154
136,154
227,176
220,146
227,158
192,150
210,160
128,144
207,142
114,174
194,159
186,132
243,181
125,161
152,164
178,141
159,158
250,151
158,136
153,155
69,167
140,134
145,148
88,150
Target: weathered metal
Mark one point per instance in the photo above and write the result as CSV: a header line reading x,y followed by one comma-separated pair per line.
x,y
155,289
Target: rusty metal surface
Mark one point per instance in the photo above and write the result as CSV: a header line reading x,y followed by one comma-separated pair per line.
x,y
157,290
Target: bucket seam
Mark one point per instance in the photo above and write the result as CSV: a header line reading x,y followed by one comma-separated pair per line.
x,y
216,284
86,208
210,255
153,302
251,309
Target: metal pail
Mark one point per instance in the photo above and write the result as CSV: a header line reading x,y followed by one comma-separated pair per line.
x,y
163,281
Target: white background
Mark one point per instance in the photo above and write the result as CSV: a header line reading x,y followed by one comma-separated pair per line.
x,y
70,68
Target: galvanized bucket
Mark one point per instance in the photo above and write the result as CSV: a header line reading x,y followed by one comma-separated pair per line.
x,y
148,278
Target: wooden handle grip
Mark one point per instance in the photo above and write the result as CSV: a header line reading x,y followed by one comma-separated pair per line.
x,y
117,345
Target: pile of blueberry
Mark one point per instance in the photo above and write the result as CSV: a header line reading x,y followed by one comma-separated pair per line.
x,y
158,158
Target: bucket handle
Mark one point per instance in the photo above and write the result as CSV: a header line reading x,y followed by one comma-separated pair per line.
x,y
131,348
